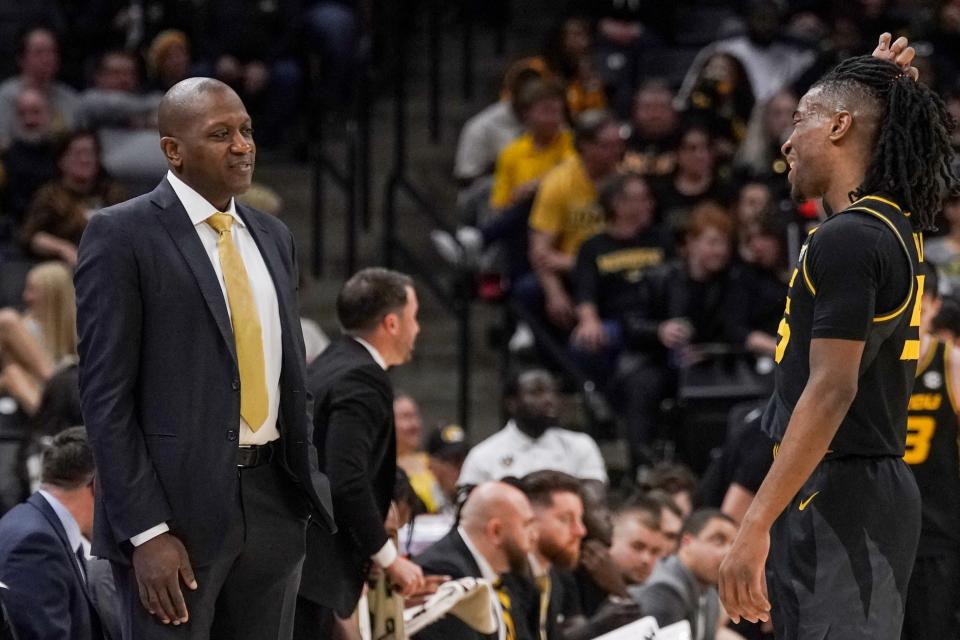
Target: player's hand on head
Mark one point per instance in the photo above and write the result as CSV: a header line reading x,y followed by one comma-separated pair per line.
x,y
743,584
898,52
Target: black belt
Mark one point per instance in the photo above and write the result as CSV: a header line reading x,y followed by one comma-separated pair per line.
x,y
256,455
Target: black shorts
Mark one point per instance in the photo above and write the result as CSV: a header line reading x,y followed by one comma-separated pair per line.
x,y
841,553
933,599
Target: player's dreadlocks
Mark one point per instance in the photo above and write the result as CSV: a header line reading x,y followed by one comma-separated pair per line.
x,y
912,156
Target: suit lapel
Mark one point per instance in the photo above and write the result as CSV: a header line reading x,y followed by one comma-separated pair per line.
x,y
175,220
40,504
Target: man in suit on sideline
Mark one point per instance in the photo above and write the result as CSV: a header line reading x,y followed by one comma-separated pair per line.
x,y
41,555
354,435
193,387
494,537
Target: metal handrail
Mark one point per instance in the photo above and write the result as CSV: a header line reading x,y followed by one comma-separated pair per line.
x,y
454,297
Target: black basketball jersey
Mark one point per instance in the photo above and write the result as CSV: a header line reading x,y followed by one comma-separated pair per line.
x,y
932,450
856,278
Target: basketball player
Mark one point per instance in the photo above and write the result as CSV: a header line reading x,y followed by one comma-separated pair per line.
x,y
933,597
839,512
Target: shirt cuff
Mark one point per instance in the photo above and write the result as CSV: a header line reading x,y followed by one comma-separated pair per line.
x,y
386,556
149,534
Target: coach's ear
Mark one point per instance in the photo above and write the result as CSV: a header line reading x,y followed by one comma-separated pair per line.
x,y
840,125
171,150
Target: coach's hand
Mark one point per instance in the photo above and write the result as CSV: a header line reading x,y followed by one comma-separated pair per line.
x,y
743,585
406,576
158,564
898,52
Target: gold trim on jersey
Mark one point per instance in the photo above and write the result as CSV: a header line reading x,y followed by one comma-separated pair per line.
x,y
806,278
879,199
906,302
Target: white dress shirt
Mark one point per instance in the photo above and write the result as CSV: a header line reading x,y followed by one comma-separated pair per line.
x,y
488,574
74,537
511,452
268,310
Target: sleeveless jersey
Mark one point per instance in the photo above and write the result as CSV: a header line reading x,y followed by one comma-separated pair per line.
x,y
876,423
931,446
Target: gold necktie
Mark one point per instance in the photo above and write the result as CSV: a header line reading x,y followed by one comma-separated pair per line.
x,y
246,325
544,586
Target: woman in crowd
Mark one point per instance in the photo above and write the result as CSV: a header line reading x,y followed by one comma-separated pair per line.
x,y
35,343
60,210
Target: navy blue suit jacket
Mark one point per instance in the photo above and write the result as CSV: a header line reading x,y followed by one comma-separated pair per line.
x,y
160,385
48,597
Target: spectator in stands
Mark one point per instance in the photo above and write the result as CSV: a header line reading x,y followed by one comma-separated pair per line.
x,y
770,61
684,586
410,455
769,126
548,593
30,160
487,133
609,266
42,558
676,480
680,305
544,144
651,148
60,401
60,210
754,203
761,296
125,122
722,99
531,439
693,181
332,28
251,46
625,31
671,516
520,167
565,213
944,251
447,447
495,535
558,518
638,542
168,59
34,344
38,58
568,55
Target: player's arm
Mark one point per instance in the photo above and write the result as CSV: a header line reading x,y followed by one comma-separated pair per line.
x,y
830,390
845,266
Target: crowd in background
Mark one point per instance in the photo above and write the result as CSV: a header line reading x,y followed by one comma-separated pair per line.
x,y
624,198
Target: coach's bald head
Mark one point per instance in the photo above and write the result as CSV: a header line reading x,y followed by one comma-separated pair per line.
x,y
207,138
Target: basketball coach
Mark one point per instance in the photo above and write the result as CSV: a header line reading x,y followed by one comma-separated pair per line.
x,y
193,389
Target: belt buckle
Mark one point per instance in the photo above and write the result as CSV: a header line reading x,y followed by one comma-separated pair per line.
x,y
249,457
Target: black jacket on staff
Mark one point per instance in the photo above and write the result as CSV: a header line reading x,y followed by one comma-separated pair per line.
x,y
354,436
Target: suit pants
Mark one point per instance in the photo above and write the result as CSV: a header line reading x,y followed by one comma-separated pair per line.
x,y
248,592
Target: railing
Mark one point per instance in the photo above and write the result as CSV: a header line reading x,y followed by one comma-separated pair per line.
x,y
352,175
454,297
